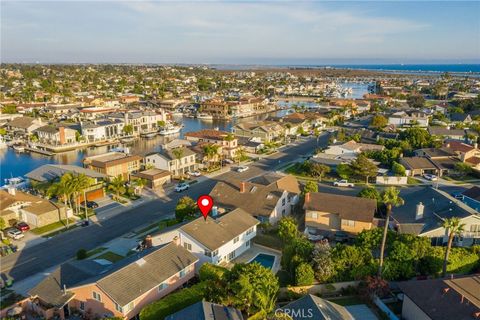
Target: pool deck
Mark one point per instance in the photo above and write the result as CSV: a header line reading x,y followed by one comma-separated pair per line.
x,y
254,250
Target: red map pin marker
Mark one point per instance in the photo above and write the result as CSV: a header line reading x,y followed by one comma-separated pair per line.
x,y
205,203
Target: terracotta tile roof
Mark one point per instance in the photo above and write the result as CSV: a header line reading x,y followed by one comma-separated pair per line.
x,y
208,134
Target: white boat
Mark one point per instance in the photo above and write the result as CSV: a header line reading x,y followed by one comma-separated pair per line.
x,y
149,134
205,116
16,183
169,130
19,148
127,139
3,144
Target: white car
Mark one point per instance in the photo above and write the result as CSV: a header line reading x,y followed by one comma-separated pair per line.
x,y
242,169
312,235
194,173
14,233
343,183
430,177
182,187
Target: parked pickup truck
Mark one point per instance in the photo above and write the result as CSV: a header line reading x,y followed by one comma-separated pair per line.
x,y
343,183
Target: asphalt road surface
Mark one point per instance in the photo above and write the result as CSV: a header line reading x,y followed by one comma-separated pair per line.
x,y
63,247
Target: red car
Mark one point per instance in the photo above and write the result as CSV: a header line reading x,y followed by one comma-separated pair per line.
x,y
22,226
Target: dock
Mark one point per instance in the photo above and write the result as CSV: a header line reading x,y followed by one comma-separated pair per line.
x,y
42,152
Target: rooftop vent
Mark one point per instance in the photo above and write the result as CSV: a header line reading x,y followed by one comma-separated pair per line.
x,y
141,262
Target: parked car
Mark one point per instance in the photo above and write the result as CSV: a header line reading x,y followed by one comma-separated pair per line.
x,y
343,183
22,226
182,187
90,204
227,161
312,235
194,173
341,236
430,177
457,195
242,169
14,233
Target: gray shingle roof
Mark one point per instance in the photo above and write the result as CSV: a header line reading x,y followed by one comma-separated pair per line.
x,y
214,233
204,310
313,307
50,172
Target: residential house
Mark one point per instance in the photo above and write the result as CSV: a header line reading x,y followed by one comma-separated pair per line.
x,y
204,159
59,109
417,166
249,146
404,119
225,140
204,310
141,121
178,160
102,130
129,98
217,108
352,148
471,197
465,153
114,164
424,212
447,133
122,289
313,307
219,240
23,126
464,118
37,212
327,213
268,198
96,112
441,299
155,177
57,135
52,172
260,131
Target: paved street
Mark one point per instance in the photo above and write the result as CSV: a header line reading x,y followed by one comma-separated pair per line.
x,y
63,247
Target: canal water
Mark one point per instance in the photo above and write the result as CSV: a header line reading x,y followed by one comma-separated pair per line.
x,y
14,164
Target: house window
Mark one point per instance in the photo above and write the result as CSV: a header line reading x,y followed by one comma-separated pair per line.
x,y
209,253
235,240
118,308
162,286
187,246
97,296
249,231
247,244
283,212
183,273
314,215
475,228
348,223
82,305
231,255
283,202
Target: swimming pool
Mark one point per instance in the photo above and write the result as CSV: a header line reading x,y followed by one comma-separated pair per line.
x,y
264,259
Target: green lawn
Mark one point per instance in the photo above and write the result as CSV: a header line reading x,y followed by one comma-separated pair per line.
x,y
49,228
110,256
269,240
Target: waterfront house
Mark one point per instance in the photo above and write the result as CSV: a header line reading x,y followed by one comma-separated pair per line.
x,y
37,212
204,310
97,289
141,121
221,239
53,172
441,299
56,135
260,131
267,198
217,108
23,126
102,130
327,213
424,212
178,160
114,164
225,140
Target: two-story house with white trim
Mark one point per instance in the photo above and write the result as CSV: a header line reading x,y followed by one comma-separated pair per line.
x,y
219,240
178,160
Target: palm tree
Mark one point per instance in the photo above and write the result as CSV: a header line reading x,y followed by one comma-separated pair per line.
x,y
63,189
240,154
390,198
178,154
117,185
454,227
140,183
210,150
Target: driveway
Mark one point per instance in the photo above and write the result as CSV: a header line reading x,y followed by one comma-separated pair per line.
x,y
106,204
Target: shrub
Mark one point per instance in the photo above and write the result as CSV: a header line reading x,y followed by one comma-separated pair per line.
x,y
304,275
81,254
209,271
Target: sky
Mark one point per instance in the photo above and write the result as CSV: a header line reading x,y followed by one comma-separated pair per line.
x,y
241,32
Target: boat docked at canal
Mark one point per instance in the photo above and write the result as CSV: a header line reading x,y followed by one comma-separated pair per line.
x,y
170,129
149,135
204,116
15,183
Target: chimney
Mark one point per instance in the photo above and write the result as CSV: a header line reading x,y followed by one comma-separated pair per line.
x,y
61,131
307,197
419,211
242,187
445,290
176,240
148,241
